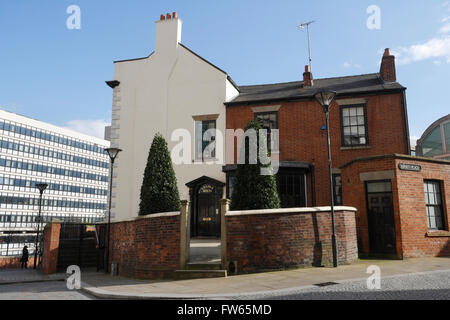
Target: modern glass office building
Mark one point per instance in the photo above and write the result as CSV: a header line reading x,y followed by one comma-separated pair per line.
x,y
75,167
435,142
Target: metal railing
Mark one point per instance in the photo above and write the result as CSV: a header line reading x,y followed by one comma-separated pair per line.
x,y
11,245
30,221
19,230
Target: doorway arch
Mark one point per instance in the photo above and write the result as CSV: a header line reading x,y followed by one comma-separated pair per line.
x,y
205,194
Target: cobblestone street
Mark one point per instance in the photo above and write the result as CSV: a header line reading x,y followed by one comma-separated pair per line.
x,y
424,286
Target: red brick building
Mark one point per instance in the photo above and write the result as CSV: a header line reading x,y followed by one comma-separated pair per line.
x,y
403,206
368,118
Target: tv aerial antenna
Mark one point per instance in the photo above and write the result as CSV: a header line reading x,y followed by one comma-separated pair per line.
x,y
306,25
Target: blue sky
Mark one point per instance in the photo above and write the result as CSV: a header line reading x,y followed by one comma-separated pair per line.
x,y
57,75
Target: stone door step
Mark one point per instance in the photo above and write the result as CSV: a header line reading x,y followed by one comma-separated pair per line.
x,y
203,266
199,274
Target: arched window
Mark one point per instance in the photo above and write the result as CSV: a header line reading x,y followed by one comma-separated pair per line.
x,y
435,142
432,144
447,135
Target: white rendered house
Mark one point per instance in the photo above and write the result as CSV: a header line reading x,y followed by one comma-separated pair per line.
x,y
172,89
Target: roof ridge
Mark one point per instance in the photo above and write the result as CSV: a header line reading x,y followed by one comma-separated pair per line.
x,y
199,56
301,81
135,59
270,84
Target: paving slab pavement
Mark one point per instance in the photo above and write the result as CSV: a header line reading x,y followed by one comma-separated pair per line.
x,y
103,286
204,251
53,290
14,276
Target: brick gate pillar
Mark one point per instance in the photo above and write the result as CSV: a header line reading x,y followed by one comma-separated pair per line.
x,y
224,208
184,234
51,248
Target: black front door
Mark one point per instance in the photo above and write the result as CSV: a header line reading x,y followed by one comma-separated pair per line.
x,y
208,212
205,194
380,214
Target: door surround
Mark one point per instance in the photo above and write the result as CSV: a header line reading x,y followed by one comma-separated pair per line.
x,y
199,190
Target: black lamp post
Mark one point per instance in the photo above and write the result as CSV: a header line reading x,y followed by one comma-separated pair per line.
x,y
325,98
112,152
41,187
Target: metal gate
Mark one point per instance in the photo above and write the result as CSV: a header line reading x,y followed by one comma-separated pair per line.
x,y
78,245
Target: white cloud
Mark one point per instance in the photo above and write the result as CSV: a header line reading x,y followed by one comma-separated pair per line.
x,y
11,107
445,28
413,140
435,48
348,65
94,128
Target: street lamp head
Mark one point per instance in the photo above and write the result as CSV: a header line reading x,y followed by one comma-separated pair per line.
x,y
42,187
113,152
325,98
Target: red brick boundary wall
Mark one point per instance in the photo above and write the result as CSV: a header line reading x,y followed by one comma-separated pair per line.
x,y
147,247
263,240
51,247
14,262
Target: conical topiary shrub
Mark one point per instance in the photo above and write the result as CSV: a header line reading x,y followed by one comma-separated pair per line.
x,y
159,191
252,190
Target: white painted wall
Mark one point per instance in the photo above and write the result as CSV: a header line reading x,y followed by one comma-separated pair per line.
x,y
162,93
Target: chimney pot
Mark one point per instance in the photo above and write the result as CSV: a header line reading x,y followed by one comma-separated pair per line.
x,y
175,15
387,68
168,33
308,77
163,17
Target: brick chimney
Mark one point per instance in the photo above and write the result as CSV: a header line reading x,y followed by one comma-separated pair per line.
x,y
387,69
308,77
168,32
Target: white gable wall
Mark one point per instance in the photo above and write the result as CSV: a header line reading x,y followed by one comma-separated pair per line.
x,y
161,94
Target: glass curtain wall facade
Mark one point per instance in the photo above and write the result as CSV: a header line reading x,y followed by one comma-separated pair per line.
x,y
435,142
75,167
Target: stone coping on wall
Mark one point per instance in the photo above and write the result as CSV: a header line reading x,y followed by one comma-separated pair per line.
x,y
150,216
287,211
396,156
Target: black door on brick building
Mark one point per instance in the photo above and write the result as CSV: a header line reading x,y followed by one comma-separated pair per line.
x,y
380,217
205,194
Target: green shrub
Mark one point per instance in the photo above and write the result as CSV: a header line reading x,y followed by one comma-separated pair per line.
x,y
159,191
253,191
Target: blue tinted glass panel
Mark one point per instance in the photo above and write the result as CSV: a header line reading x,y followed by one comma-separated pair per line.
x,y
432,144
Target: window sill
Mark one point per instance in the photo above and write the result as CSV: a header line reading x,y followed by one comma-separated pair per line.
x,y
356,148
205,161
438,234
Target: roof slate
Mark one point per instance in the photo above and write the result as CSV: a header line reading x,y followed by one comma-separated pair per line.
x,y
266,93
367,83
